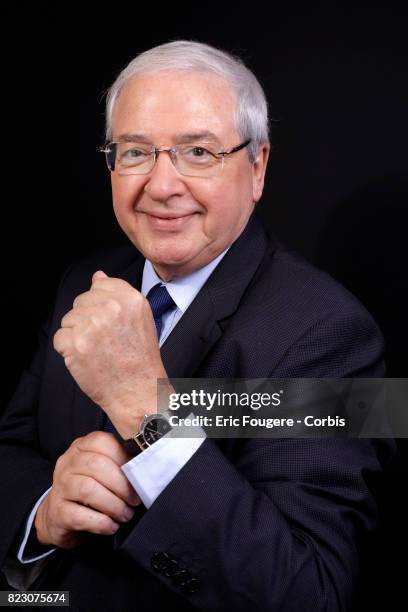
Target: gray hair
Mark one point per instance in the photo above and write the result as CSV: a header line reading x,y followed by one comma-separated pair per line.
x,y
251,112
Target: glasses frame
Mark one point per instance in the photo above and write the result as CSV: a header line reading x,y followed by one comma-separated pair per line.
x,y
172,151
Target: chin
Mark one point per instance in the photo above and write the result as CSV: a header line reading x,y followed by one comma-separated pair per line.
x,y
170,261
170,254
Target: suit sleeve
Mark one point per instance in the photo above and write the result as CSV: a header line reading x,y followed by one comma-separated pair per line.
x,y
25,473
276,525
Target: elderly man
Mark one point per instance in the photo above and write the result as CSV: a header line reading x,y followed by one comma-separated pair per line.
x,y
202,290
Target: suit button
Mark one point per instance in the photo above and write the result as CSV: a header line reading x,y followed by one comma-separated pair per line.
x,y
172,568
191,586
181,577
160,561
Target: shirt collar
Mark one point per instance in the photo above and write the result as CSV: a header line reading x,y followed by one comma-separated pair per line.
x,y
184,289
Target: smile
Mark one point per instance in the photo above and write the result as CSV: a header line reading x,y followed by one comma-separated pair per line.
x,y
169,222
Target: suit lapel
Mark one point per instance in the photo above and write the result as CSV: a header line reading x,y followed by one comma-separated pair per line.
x,y
192,338
201,325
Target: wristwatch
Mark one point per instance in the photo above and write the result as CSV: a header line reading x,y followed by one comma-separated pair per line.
x,y
152,428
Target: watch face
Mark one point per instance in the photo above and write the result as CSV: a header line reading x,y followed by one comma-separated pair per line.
x,y
155,428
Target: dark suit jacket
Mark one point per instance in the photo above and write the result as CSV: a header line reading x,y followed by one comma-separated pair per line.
x,y
249,524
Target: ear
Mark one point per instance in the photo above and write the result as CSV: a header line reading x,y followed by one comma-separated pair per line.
x,y
258,171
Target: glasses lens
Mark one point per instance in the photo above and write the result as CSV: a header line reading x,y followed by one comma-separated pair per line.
x,y
132,158
193,160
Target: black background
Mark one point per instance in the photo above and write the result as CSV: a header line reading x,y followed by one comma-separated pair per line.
x,y
337,187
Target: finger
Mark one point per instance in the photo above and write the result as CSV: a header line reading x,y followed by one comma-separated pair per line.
x,y
99,274
107,473
62,342
116,285
93,298
102,442
83,315
75,517
75,316
89,492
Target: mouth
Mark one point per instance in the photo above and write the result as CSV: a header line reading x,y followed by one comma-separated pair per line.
x,y
169,220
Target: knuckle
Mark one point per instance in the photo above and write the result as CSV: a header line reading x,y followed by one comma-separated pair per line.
x,y
96,441
74,519
103,439
95,463
113,306
63,515
60,464
66,318
57,340
78,300
138,301
68,360
117,283
61,483
97,438
76,444
86,489
96,321
80,344
138,297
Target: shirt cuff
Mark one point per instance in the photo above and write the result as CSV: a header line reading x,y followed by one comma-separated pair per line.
x,y
153,469
22,554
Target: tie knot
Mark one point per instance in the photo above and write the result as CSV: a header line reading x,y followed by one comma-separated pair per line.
x,y
160,300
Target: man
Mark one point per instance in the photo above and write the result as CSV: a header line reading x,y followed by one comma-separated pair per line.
x,y
196,523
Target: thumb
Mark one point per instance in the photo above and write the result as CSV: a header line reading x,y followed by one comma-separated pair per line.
x,y
98,274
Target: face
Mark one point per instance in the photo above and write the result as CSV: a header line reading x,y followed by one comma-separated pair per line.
x,y
181,223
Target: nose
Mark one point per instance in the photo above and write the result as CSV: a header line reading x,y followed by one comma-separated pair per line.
x,y
164,181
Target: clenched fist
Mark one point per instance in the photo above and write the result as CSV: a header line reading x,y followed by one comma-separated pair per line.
x,y
109,344
89,492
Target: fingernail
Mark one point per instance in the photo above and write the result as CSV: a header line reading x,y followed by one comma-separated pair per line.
x,y
115,527
128,514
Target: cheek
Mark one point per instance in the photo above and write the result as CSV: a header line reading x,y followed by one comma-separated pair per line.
x,y
226,203
124,194
213,197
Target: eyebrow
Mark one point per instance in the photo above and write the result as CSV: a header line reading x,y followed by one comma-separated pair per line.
x,y
132,138
203,135
199,136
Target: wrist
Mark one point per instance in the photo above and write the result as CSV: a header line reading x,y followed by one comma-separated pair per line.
x,y
150,396
128,425
127,412
153,427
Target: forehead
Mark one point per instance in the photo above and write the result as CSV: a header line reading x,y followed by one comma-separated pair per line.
x,y
166,105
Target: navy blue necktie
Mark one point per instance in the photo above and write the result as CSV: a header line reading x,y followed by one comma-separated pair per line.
x,y
160,302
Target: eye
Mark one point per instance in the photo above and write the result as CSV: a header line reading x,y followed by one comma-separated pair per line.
x,y
196,153
134,153
199,151
130,154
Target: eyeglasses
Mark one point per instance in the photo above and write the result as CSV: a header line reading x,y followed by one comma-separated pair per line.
x,y
128,158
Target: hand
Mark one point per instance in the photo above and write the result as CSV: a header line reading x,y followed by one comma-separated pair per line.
x,y
109,343
89,492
